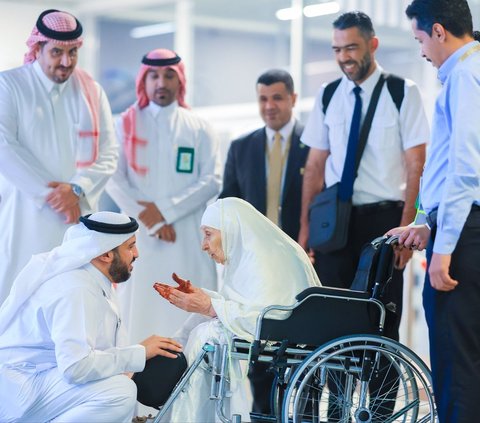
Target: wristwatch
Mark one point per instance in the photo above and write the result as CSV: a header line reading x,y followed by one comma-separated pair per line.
x,y
77,189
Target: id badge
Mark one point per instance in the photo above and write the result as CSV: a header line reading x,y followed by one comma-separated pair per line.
x,y
185,159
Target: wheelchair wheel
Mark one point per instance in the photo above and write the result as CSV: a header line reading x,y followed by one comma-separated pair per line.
x,y
360,378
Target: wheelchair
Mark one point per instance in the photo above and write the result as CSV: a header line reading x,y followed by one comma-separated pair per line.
x,y
331,362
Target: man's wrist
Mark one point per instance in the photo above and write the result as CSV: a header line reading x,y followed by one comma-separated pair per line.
x,y
77,190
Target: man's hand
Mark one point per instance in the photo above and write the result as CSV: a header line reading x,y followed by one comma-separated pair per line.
x,y
186,296
303,236
303,241
157,345
72,215
438,272
150,215
166,233
61,198
64,201
414,237
402,256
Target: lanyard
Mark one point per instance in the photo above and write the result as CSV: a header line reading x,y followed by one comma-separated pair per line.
x,y
469,52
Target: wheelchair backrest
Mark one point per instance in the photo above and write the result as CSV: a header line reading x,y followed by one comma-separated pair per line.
x,y
320,315
375,267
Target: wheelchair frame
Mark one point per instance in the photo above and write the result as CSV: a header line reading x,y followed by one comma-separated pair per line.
x,y
326,375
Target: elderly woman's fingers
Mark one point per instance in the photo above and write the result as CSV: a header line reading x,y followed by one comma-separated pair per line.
x,y
184,285
164,290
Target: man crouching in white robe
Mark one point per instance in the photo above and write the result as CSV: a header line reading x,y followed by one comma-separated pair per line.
x,y
62,357
263,266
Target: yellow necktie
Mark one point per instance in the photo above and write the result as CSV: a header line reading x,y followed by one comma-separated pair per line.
x,y
275,165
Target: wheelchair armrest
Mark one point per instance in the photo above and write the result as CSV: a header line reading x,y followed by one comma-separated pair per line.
x,y
329,291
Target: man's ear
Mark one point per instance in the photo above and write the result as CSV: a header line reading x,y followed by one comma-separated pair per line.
x,y
438,32
374,42
106,257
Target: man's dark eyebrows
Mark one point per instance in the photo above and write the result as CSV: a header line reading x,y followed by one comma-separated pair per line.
x,y
347,46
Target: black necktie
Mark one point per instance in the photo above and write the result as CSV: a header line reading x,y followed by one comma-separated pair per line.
x,y
345,191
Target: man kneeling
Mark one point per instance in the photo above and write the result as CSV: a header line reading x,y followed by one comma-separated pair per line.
x,y
61,352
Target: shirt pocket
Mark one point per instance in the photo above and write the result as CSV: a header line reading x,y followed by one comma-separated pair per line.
x,y
337,133
384,132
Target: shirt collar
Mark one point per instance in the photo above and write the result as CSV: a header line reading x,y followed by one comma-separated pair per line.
x,y
450,63
101,279
368,85
155,110
46,81
285,131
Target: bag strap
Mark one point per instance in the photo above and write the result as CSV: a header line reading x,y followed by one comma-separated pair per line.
x,y
328,93
395,85
396,88
367,123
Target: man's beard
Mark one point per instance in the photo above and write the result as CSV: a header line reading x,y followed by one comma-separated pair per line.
x,y
363,68
119,270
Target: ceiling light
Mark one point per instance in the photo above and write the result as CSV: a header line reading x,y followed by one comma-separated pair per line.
x,y
288,14
321,9
151,30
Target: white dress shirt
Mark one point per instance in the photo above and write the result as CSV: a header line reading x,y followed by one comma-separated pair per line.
x,y
382,173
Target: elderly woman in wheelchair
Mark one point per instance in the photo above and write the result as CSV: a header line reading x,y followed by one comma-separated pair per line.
x,y
323,344
263,266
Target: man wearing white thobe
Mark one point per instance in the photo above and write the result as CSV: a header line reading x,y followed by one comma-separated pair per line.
x,y
62,351
167,172
57,144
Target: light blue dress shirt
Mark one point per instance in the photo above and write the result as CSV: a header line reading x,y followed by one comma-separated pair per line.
x,y
451,179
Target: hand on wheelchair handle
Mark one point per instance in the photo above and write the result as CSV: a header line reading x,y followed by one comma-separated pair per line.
x,y
413,237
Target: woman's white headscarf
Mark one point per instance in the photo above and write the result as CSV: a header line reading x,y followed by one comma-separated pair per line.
x,y
80,245
263,266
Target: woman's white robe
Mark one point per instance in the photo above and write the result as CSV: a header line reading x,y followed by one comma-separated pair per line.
x,y
263,267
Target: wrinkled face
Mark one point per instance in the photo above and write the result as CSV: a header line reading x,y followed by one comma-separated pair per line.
x,y
162,85
354,53
57,61
275,104
123,257
429,45
212,244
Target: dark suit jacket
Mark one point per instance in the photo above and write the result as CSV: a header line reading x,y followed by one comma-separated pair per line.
x,y
245,176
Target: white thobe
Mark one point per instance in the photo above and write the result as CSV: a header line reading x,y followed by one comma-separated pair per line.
x,y
36,150
63,347
193,404
181,197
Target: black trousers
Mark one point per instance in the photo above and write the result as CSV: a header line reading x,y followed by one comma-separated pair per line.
x,y
337,269
453,320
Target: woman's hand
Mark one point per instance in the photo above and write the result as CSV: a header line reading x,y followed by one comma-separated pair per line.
x,y
165,290
186,296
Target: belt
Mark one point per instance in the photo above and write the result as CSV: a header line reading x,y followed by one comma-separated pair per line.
x,y
376,207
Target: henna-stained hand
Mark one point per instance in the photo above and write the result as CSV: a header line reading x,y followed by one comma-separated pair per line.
x,y
186,296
